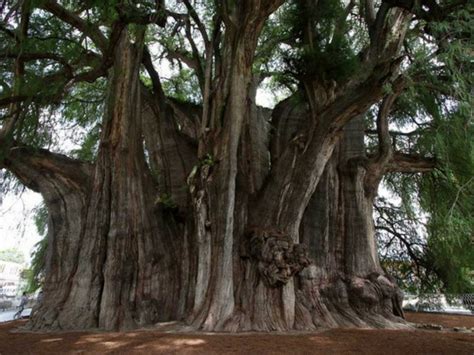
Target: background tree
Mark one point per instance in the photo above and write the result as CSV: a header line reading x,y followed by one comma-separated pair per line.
x,y
188,201
438,119
34,275
13,255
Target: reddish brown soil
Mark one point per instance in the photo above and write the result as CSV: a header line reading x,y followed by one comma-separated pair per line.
x,y
446,320
366,341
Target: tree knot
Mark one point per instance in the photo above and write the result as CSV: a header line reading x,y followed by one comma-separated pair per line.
x,y
278,257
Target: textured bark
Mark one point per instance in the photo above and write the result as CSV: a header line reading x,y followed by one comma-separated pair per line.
x,y
132,278
230,217
331,277
215,183
172,154
352,288
145,265
112,257
63,183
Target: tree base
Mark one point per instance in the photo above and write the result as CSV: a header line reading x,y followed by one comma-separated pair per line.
x,y
311,302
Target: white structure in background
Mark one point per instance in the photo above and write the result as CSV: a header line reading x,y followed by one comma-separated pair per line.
x,y
10,281
436,303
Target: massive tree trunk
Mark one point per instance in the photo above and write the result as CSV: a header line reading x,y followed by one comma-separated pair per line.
x,y
224,223
330,275
218,204
113,253
122,233
338,227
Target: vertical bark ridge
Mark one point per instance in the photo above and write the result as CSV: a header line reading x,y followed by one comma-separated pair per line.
x,y
172,155
351,288
359,229
131,277
229,108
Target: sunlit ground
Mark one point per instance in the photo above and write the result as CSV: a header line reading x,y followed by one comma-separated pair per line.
x,y
152,341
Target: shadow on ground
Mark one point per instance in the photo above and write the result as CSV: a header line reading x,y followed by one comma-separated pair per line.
x,y
367,341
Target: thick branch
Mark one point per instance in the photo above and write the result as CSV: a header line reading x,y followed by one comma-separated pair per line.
x,y
202,29
357,100
368,8
184,57
5,101
376,28
75,21
296,174
196,56
32,166
408,163
376,168
385,144
155,78
428,10
37,56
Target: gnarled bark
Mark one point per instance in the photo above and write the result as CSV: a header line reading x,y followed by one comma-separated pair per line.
x,y
352,289
332,276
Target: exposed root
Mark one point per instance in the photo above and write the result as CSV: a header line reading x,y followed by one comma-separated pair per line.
x,y
371,301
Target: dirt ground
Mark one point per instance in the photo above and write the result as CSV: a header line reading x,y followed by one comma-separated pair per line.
x,y
446,320
335,341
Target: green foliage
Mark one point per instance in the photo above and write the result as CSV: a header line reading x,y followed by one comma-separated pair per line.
x,y
435,115
9,183
50,107
208,160
34,275
183,87
89,147
166,201
446,196
402,246
449,196
85,103
325,51
41,219
13,255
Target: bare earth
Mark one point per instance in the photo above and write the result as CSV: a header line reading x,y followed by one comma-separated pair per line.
x,y
335,341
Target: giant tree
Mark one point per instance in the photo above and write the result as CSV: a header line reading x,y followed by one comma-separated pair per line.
x,y
187,200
